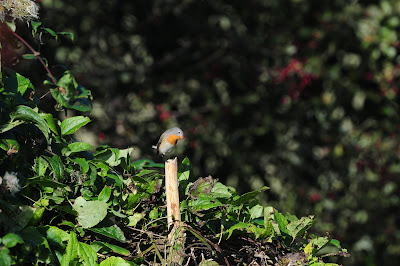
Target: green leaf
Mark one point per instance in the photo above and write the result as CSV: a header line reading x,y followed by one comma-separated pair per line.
x,y
112,231
11,240
69,34
103,167
84,165
24,113
208,263
50,122
335,243
8,142
248,196
21,218
117,179
72,124
250,229
57,166
297,228
153,213
205,202
132,200
114,261
55,234
87,254
97,245
5,258
220,191
29,56
35,26
38,214
11,25
48,183
201,185
105,194
41,166
134,219
185,170
70,95
71,252
90,213
10,125
257,211
39,243
113,156
282,222
20,82
79,146
140,164
51,32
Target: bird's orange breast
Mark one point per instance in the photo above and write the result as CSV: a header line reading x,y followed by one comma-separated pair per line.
x,y
172,139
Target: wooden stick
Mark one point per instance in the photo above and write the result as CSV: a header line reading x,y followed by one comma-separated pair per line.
x,y
172,192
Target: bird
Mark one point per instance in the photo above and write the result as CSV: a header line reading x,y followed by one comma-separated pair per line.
x,y
168,140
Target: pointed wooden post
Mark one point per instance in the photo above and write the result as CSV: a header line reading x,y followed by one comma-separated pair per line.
x,y
172,192
177,236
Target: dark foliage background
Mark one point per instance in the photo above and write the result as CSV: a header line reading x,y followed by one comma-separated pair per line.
x,y
301,96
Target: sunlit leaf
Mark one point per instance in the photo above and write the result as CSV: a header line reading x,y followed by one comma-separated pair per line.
x,y
72,124
97,245
24,113
111,231
90,213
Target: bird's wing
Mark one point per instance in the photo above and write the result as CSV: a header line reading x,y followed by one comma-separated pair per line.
x,y
161,138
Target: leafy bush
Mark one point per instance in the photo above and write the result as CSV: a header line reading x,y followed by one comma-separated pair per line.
x,y
63,204
301,96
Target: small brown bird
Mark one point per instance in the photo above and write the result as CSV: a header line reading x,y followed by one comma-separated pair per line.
x,y
168,140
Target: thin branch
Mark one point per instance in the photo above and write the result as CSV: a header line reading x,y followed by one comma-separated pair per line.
x,y
35,53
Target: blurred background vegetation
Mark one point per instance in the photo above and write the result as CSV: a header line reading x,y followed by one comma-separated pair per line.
x,y
298,95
